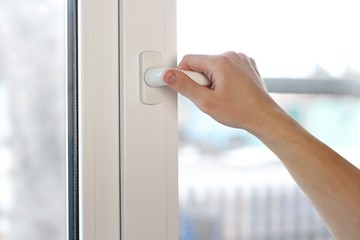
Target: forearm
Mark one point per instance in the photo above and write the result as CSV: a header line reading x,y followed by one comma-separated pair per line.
x,y
331,182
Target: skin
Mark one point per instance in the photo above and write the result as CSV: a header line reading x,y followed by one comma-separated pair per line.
x,y
238,98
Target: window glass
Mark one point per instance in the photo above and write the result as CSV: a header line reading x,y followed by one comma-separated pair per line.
x,y
230,185
32,120
304,38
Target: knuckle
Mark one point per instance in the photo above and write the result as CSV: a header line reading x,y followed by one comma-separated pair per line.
x,y
222,60
187,56
231,54
252,61
242,56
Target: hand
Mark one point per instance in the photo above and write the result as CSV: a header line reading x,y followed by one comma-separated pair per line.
x,y
237,96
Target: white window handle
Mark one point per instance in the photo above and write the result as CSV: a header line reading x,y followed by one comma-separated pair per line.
x,y
154,77
151,77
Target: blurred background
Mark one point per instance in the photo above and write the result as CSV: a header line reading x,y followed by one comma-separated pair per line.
x,y
32,120
230,185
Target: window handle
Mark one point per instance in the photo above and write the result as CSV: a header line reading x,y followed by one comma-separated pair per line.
x,y
151,77
154,77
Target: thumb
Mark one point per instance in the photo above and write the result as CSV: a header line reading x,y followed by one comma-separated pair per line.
x,y
183,84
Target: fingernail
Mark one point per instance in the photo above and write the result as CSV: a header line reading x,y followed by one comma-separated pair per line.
x,y
169,78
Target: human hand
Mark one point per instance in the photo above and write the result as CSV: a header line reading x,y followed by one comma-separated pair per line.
x,y
237,96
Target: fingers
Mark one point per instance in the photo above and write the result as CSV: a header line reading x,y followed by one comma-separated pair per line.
x,y
195,63
254,66
181,83
208,63
253,63
198,63
243,58
224,69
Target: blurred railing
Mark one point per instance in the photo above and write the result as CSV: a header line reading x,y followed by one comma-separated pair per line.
x,y
262,213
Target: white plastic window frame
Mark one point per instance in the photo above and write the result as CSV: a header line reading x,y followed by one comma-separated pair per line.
x,y
98,97
127,150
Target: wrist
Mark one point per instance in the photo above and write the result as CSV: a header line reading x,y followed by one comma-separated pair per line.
x,y
271,123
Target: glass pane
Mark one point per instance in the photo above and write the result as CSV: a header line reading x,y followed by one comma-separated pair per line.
x,y
32,120
286,38
230,185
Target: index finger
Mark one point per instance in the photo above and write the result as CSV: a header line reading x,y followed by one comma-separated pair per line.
x,y
197,63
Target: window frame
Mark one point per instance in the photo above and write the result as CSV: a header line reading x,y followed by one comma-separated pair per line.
x,y
96,68
123,192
